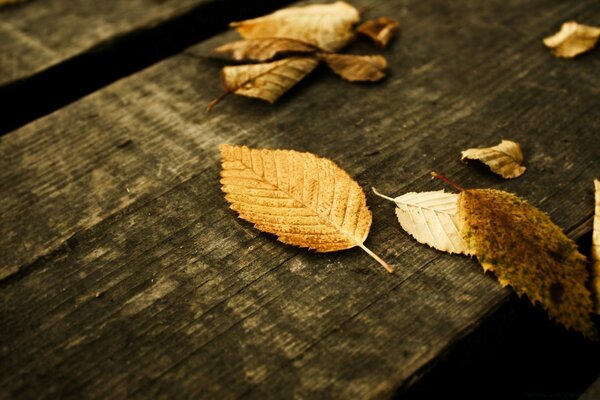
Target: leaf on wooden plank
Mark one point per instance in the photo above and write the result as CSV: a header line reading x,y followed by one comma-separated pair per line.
x,y
264,49
267,81
380,30
327,26
596,249
505,159
305,200
573,39
356,68
430,217
527,251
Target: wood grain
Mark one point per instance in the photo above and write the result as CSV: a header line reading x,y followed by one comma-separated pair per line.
x,y
125,274
35,35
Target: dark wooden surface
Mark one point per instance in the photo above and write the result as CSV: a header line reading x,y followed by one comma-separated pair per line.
x,y
35,35
124,273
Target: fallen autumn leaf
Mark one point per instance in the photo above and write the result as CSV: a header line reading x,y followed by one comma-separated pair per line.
x,y
305,200
504,159
573,39
380,30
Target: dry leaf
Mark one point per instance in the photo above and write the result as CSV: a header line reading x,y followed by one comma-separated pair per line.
x,y
6,2
596,248
505,159
305,200
265,81
380,30
264,49
527,251
327,26
430,217
356,68
572,39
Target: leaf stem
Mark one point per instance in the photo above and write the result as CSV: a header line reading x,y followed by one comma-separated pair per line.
x,y
448,181
383,195
218,100
385,265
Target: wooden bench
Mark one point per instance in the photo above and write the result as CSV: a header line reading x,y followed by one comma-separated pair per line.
x,y
124,274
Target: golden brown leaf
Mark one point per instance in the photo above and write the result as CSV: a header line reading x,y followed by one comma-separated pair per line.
x,y
264,49
573,39
305,200
596,248
380,30
527,251
356,68
327,26
505,158
6,2
265,81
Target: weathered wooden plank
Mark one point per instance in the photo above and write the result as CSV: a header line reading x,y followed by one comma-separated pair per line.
x,y
126,275
54,52
35,35
593,392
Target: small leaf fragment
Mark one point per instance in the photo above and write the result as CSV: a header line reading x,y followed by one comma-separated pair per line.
x,y
505,159
305,200
573,39
430,217
264,49
380,30
355,68
596,248
327,26
527,251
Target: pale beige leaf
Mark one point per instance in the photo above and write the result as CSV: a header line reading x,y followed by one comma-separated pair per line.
x,y
573,39
267,81
596,249
505,159
264,49
356,68
305,200
380,30
430,217
328,26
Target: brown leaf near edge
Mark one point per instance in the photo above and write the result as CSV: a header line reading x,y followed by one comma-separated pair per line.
x,y
527,251
504,159
356,68
327,26
264,49
305,200
573,39
596,247
380,30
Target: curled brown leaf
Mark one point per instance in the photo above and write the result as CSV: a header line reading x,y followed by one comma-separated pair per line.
x,y
356,68
573,39
505,159
380,30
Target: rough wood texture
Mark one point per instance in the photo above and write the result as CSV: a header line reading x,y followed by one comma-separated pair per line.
x,y
592,392
126,275
35,35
